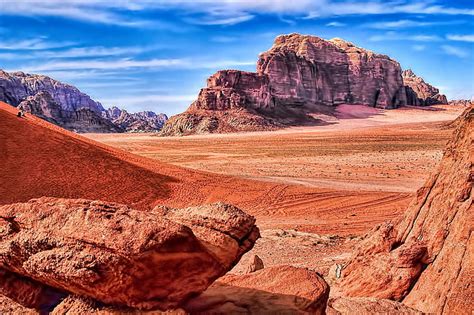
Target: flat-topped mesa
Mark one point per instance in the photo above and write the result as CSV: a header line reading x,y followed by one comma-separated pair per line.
x,y
293,79
419,92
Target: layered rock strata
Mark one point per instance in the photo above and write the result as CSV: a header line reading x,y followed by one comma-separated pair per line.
x,y
83,119
118,255
146,121
426,259
298,76
419,92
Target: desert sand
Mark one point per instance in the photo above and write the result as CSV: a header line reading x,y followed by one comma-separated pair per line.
x,y
335,181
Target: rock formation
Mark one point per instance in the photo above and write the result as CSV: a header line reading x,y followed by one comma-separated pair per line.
x,y
17,86
426,259
298,76
83,119
146,121
66,106
121,256
419,92
274,290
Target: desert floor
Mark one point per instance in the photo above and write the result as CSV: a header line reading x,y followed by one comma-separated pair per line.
x,y
356,172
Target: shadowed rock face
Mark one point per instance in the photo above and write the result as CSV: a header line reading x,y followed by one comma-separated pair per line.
x,y
17,86
145,121
274,290
81,120
121,256
419,92
426,259
295,76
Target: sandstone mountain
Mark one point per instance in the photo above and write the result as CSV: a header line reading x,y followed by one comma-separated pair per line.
x,y
419,92
82,119
66,106
146,121
426,259
298,76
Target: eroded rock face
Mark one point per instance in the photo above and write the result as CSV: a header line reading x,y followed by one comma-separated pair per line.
x,y
426,259
17,86
146,121
83,119
226,231
419,92
345,305
115,254
294,78
274,290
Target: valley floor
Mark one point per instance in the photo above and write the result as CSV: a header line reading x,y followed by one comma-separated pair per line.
x,y
339,180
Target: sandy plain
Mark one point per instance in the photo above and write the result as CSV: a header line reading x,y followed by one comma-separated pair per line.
x,y
333,183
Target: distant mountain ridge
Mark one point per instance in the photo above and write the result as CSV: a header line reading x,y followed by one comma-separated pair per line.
x,y
68,107
145,121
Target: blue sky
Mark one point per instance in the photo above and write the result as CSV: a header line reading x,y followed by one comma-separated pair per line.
x,y
156,55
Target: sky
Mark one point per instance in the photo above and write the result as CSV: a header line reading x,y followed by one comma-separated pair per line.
x,y
156,55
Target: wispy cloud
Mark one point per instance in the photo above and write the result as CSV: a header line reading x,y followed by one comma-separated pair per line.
x,y
220,20
398,24
462,38
455,51
122,64
391,36
418,47
33,44
335,24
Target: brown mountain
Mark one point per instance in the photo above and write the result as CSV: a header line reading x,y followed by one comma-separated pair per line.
x,y
298,76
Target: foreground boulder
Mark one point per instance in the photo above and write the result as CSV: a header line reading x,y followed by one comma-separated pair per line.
x,y
346,305
115,254
426,258
274,290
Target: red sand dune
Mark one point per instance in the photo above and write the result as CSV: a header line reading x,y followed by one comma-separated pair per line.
x,y
41,159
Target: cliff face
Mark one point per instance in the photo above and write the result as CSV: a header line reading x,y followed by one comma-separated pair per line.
x,y
297,76
82,119
419,92
16,86
426,259
145,121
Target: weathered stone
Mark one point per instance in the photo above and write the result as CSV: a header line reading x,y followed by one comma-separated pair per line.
x,y
115,254
345,305
145,121
79,120
274,290
17,86
419,92
426,258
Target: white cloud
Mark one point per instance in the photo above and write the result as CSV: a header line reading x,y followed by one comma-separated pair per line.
x,y
33,44
391,36
221,20
121,64
225,12
455,51
419,47
408,24
462,38
335,24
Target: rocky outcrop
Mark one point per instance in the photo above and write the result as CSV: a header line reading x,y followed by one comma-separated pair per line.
x,y
426,259
274,290
345,305
17,86
121,256
419,92
299,75
146,121
83,119
465,103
